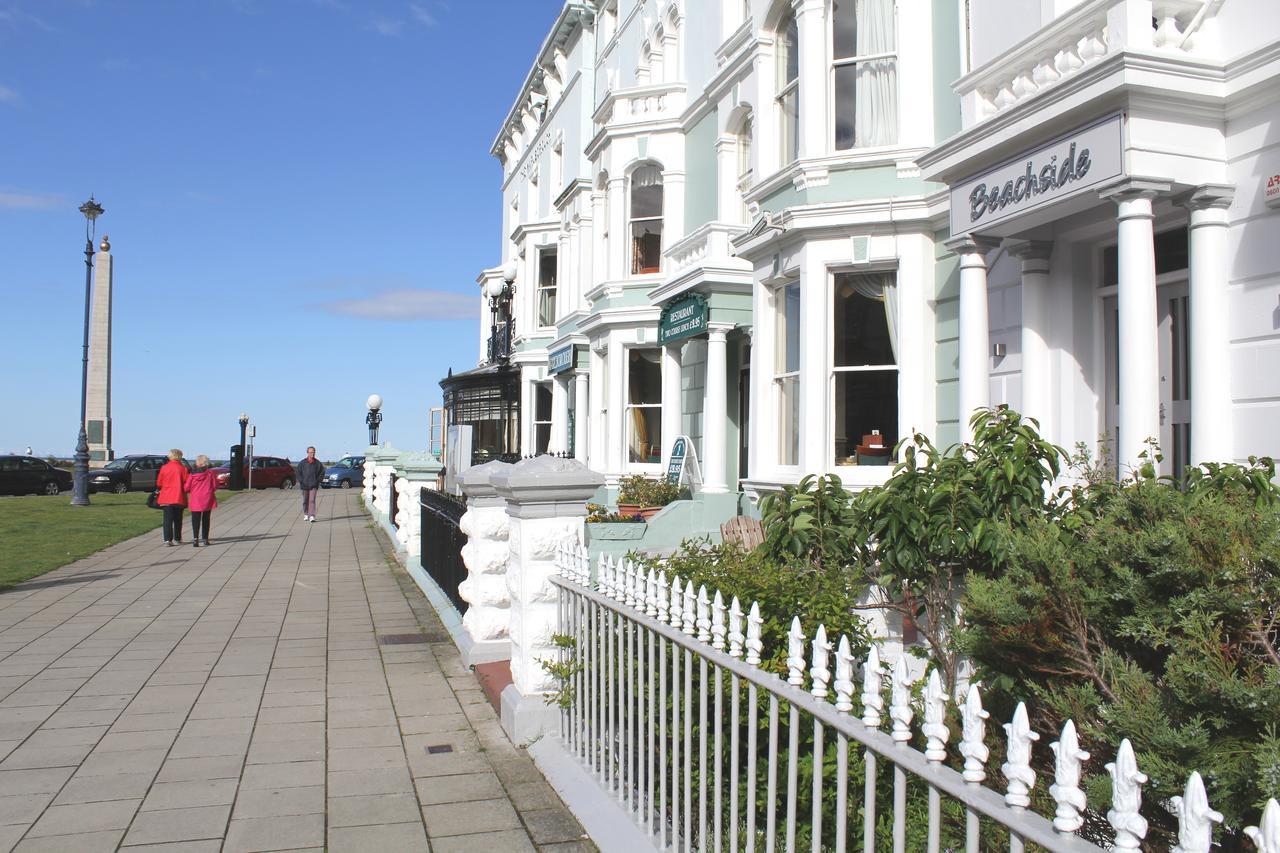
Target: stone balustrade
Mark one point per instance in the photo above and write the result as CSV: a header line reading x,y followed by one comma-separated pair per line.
x,y
413,472
706,244
486,554
642,103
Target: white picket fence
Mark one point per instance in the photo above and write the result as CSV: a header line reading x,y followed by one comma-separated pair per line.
x,y
639,647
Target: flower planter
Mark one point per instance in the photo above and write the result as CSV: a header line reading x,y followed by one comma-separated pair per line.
x,y
645,512
614,530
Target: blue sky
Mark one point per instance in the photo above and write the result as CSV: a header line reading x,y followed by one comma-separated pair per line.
x,y
299,195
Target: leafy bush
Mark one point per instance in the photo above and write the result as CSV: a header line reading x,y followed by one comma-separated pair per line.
x,y
597,514
809,521
645,491
1151,612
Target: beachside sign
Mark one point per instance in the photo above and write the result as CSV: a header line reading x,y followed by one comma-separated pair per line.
x,y
560,360
1082,159
683,318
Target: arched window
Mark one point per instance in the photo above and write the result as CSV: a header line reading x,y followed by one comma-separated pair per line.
x,y
788,97
646,220
864,72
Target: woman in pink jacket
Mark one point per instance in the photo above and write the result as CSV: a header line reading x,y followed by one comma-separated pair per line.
x,y
201,486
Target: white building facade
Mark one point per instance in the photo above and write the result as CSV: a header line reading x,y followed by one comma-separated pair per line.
x,y
796,230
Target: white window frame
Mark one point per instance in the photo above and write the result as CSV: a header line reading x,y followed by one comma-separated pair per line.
x,y
632,219
842,62
787,153
780,376
542,252
628,407
537,387
834,370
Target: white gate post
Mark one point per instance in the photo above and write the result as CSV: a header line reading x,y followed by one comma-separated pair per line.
x,y
546,501
384,472
414,472
486,525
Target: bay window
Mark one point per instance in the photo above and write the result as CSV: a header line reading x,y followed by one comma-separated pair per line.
x,y
644,406
646,220
864,73
786,372
788,97
864,366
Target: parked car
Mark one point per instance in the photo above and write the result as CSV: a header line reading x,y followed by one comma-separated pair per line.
x,y
345,473
27,475
135,472
269,472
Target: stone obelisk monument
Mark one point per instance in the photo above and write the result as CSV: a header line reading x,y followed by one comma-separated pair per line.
x,y
98,404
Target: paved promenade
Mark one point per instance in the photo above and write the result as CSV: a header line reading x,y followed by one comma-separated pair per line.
x,y
283,689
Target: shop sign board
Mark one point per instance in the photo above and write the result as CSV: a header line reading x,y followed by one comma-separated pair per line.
x,y
683,318
1084,158
1271,191
560,360
682,465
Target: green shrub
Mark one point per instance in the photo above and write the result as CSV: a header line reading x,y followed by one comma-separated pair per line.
x,y
645,491
808,521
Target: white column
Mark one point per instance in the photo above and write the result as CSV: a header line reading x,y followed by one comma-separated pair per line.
x,y
1138,343
599,239
1212,428
581,416
596,458
559,414
815,423
727,206
715,413
528,400
811,26
975,330
618,245
1036,396
672,208
672,410
617,436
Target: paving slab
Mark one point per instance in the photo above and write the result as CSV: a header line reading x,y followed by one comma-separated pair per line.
x,y
238,698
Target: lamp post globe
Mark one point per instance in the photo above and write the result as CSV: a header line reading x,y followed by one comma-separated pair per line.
x,y
374,418
509,270
80,470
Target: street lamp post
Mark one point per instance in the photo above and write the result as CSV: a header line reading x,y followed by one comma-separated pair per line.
x,y
500,296
237,465
374,418
80,483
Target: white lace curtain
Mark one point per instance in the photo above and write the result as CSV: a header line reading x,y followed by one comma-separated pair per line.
x,y
877,88
882,287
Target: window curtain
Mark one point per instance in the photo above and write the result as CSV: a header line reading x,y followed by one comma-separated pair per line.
x,y
876,122
882,287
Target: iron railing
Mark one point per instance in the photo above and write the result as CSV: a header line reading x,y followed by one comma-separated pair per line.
x,y
662,699
442,542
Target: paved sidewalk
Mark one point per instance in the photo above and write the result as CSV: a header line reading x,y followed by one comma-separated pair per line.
x,y
283,689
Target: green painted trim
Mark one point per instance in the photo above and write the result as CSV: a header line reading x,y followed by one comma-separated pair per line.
x,y
858,183
946,68
702,175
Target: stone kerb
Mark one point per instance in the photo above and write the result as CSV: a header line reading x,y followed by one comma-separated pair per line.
x,y
546,502
384,473
486,555
413,472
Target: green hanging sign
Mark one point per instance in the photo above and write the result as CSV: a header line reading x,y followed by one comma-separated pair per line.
x,y
683,318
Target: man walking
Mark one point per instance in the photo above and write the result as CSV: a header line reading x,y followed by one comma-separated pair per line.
x,y
310,475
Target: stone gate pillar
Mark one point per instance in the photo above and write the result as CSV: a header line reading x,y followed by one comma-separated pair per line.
x,y
487,553
384,474
546,501
414,472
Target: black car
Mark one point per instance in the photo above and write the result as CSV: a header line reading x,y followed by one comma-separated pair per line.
x,y
27,475
136,472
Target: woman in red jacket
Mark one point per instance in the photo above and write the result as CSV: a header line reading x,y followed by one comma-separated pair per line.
x,y
172,483
201,486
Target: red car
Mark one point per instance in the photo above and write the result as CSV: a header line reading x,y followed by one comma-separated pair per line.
x,y
269,472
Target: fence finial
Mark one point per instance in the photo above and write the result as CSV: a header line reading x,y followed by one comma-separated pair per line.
x,y
820,659
900,710
973,735
628,581
704,615
606,573
735,628
1195,818
677,602
795,654
1267,837
872,701
1066,779
717,622
1126,799
1017,769
754,644
844,676
602,574
935,710
584,566
661,592
651,594
689,614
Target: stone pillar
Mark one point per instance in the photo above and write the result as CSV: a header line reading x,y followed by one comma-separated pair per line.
x,y
1212,424
559,414
581,415
414,472
486,554
546,502
975,329
1138,341
619,264
1036,396
672,411
98,392
715,412
368,489
384,473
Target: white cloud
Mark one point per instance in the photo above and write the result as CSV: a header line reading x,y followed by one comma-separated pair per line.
x,y
422,14
386,26
32,201
8,96
408,304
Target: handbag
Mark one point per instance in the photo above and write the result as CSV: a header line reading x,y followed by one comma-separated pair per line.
x,y
153,499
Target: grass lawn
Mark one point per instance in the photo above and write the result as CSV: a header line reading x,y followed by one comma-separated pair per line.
x,y
40,533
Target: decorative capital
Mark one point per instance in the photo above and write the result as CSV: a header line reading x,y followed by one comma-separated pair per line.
x,y
972,244
1208,197
1131,187
1032,250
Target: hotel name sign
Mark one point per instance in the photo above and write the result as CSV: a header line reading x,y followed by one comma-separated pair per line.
x,y
1061,169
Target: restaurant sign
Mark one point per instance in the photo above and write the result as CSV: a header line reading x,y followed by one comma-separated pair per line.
x,y
1082,159
683,318
560,360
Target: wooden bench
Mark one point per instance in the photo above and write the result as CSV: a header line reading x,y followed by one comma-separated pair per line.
x,y
745,532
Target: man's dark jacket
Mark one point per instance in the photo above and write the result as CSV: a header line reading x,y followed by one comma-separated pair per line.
x,y
310,474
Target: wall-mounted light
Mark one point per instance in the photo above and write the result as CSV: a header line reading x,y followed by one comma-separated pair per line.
x,y
998,350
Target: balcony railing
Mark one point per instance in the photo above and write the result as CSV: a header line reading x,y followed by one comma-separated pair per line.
x,y
500,341
1075,41
641,103
709,243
